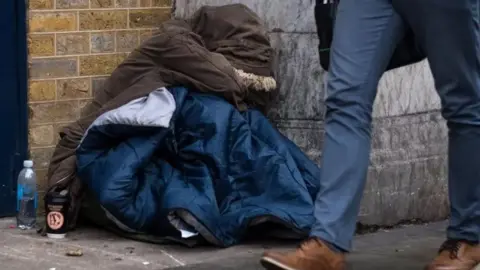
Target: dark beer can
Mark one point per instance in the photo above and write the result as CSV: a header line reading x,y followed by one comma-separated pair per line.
x,y
56,207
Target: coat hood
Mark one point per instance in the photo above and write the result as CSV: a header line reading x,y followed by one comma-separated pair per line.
x,y
237,33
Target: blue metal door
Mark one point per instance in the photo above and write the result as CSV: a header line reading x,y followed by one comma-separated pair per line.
x,y
13,99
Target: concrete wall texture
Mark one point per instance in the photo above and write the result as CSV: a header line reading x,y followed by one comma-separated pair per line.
x,y
407,177
75,44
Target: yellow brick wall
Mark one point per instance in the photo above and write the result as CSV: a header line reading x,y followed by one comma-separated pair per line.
x,y
73,46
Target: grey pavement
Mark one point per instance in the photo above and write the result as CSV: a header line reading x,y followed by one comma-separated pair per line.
x,y
408,247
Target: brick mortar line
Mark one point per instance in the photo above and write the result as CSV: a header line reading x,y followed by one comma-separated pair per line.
x,y
54,45
41,147
77,15
60,100
52,123
115,36
92,31
90,45
128,26
90,81
77,55
79,66
96,9
68,78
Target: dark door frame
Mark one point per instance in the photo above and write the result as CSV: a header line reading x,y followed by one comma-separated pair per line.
x,y
14,96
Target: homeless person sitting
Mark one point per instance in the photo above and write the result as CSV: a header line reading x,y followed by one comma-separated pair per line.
x,y
176,146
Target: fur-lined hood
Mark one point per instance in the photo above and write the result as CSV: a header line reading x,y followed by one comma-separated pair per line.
x,y
238,34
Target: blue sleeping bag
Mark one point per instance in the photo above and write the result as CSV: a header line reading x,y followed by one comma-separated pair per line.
x,y
177,161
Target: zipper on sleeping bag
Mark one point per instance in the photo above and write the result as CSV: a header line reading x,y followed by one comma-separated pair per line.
x,y
172,139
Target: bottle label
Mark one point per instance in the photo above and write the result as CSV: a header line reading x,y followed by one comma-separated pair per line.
x,y
19,196
20,192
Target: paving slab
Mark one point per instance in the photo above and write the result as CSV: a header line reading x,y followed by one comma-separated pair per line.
x,y
408,247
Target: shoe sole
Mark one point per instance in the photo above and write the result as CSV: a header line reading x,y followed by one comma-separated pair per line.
x,y
474,268
271,264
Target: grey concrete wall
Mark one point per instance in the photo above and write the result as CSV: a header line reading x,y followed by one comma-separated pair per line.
x,y
407,177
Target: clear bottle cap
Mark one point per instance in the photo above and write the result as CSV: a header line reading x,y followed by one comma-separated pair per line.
x,y
28,163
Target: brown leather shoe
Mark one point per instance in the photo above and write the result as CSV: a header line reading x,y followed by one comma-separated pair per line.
x,y
457,255
312,255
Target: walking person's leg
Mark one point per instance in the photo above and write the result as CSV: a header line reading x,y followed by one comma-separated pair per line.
x,y
448,31
365,36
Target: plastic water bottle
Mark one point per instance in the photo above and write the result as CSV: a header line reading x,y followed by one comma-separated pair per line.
x,y
27,197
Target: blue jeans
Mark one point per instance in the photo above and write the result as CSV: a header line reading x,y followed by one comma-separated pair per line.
x,y
365,36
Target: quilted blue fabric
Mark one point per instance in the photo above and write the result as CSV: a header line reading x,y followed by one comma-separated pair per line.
x,y
224,167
